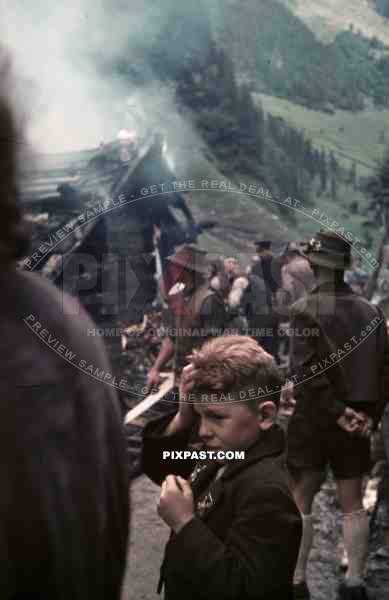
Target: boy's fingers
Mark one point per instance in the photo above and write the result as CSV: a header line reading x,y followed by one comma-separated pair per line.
x,y
187,371
185,486
163,491
361,418
366,431
182,481
171,482
352,426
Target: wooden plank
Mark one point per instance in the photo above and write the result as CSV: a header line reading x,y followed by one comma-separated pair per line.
x,y
150,400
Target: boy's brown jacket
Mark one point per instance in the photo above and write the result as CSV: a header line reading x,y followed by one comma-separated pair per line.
x,y
245,544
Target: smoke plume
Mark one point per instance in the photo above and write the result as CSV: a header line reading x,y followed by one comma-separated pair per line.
x,y
67,57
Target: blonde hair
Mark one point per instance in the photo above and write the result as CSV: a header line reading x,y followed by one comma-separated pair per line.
x,y
232,363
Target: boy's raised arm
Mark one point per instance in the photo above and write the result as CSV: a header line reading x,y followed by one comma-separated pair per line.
x,y
169,434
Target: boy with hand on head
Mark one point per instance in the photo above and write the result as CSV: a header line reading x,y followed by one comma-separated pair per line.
x,y
235,527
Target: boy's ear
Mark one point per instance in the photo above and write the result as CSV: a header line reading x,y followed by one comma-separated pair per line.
x,y
267,414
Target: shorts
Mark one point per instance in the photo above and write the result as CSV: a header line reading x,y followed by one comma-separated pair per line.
x,y
311,448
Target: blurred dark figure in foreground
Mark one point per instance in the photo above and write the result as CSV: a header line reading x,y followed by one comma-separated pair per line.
x,y
64,488
342,387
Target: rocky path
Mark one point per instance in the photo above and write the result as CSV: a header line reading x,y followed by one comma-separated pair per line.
x,y
147,540
324,572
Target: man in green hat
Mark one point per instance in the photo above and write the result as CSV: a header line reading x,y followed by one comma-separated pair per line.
x,y
195,312
340,376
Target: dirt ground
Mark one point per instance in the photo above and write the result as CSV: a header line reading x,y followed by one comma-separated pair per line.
x,y
147,540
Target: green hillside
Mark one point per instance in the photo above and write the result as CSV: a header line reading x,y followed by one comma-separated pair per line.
x,y
360,137
277,53
268,101
382,7
327,17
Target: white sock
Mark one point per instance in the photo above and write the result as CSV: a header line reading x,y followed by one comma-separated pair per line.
x,y
356,541
305,548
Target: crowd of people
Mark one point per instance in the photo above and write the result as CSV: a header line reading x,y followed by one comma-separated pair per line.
x,y
339,364
236,489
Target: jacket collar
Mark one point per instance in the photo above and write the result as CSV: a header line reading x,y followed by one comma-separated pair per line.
x,y
269,443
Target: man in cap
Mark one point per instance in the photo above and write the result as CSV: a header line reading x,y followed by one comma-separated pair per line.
x,y
193,315
340,377
267,266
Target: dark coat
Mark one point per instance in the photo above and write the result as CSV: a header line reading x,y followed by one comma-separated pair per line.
x,y
345,359
64,483
268,268
245,544
262,319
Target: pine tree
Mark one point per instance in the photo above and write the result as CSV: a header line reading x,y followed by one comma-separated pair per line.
x,y
354,207
251,125
334,187
323,171
379,214
333,164
383,7
309,158
352,179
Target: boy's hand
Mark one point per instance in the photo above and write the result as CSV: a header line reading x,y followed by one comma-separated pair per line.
x,y
186,416
349,420
176,505
153,379
366,426
355,422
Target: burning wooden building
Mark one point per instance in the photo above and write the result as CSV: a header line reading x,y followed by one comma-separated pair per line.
x,y
94,232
